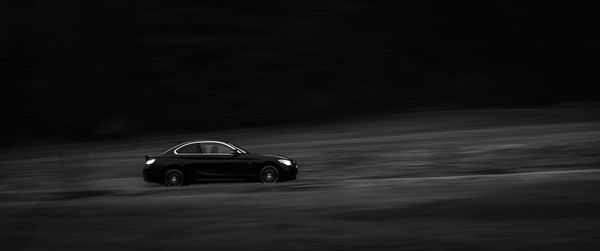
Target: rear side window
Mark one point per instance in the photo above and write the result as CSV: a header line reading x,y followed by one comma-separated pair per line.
x,y
191,148
215,148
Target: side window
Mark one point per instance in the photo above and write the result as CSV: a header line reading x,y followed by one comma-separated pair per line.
x,y
215,148
191,148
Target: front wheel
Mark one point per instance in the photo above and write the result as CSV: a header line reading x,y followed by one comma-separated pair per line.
x,y
174,178
268,174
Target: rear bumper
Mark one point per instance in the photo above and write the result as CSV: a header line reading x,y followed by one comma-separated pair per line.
x,y
148,175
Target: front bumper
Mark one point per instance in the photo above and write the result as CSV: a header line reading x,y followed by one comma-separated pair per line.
x,y
293,171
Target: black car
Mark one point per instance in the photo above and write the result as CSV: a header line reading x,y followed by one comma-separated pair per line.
x,y
209,159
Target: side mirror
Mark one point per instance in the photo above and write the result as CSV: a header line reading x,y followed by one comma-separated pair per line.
x,y
235,152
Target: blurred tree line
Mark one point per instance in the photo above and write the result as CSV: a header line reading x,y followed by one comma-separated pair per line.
x,y
101,68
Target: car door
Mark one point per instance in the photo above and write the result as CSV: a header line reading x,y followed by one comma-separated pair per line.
x,y
222,163
191,158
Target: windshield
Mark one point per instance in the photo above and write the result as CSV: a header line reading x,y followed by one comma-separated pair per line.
x,y
239,148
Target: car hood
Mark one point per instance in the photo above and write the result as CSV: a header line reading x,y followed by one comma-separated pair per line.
x,y
268,156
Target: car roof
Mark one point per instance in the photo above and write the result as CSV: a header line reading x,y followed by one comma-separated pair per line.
x,y
202,141
195,141
199,141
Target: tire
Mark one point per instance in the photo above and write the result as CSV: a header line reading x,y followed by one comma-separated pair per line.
x,y
174,178
268,174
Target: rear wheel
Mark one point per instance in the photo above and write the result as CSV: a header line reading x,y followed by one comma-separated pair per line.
x,y
174,178
268,174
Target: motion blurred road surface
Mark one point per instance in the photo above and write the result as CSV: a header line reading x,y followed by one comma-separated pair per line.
x,y
520,179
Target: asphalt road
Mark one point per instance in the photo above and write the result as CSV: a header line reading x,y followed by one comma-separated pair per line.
x,y
479,179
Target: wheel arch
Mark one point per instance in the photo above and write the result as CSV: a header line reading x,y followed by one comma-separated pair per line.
x,y
174,166
269,163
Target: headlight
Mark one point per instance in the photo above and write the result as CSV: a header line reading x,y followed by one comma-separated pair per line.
x,y
285,162
150,161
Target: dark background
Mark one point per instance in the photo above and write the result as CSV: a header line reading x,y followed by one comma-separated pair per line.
x,y
82,70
